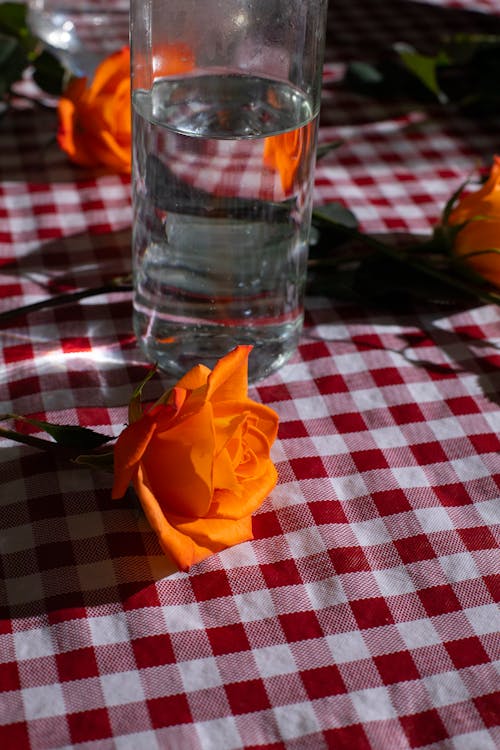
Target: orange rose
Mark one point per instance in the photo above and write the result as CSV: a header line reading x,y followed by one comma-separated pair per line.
x,y
199,460
478,241
95,122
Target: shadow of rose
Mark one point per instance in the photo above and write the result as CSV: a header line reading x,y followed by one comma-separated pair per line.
x,y
68,546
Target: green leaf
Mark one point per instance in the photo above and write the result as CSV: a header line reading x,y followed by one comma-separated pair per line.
x,y
424,67
101,461
13,18
13,61
69,436
13,22
325,148
335,213
49,74
135,403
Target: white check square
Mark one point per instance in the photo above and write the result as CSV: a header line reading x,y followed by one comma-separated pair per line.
x,y
43,701
122,688
373,704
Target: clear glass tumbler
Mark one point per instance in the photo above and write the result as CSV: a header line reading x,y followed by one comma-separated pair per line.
x,y
80,32
225,100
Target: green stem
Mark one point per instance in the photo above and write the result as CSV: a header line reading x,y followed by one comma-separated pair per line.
x,y
34,442
483,295
120,284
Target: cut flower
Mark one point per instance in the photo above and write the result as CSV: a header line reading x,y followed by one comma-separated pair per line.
x,y
95,121
476,219
199,460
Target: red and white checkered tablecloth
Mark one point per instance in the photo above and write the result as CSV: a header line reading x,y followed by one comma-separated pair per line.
x,y
364,615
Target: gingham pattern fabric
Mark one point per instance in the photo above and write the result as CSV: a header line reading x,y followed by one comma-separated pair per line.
x,y
364,614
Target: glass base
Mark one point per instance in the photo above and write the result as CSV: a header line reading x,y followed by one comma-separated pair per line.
x,y
177,348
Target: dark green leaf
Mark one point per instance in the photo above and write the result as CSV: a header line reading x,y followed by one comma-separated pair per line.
x,y
325,148
69,436
13,61
13,22
424,67
13,18
335,213
49,74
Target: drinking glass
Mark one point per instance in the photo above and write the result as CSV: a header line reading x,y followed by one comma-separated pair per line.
x,y
80,32
225,101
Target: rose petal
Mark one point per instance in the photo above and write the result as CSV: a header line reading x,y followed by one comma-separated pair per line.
x,y
483,234
174,543
179,465
189,541
229,378
482,202
109,73
253,492
128,451
211,535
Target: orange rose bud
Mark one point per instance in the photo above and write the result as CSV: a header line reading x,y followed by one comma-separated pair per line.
x,y
478,241
199,460
95,122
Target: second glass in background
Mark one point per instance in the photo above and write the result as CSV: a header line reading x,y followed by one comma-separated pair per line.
x,y
225,100
80,32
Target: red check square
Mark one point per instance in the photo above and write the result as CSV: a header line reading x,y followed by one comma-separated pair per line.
x,y
14,736
316,350
327,511
453,495
311,467
478,537
153,651
389,502
485,443
272,393
55,554
246,697
348,559
77,665
466,652
210,585
493,585
414,548
387,376
396,667
86,726
169,710
331,384
371,613
462,405
429,453
265,525
439,600
323,681
281,573
347,738
17,353
369,460
293,429
349,422
407,413
299,626
228,639
424,728
9,677
489,708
